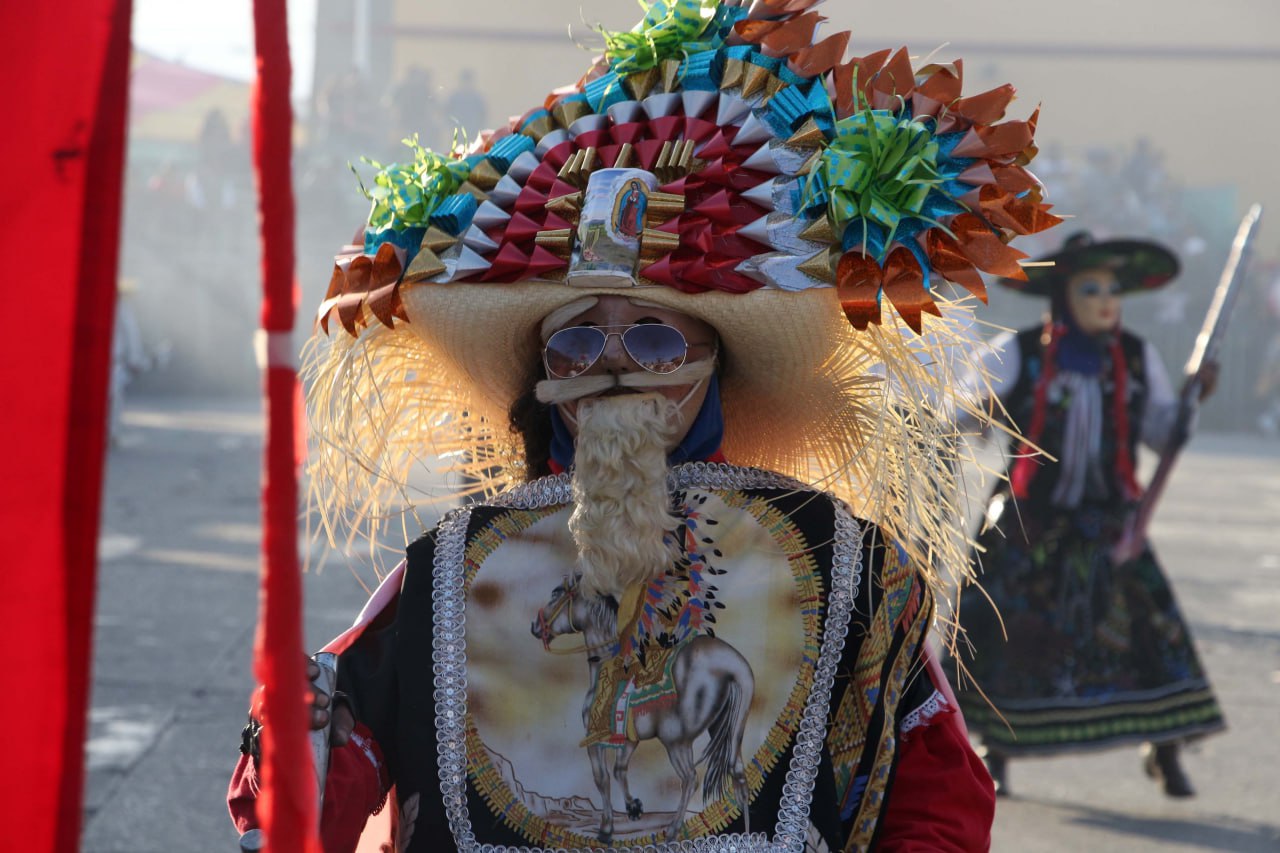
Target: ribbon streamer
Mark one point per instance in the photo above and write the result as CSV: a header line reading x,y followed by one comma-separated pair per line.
x,y
668,31
405,195
879,168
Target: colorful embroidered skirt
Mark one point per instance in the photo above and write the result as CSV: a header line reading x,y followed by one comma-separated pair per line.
x,y
1096,655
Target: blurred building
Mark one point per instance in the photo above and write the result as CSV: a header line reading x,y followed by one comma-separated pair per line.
x,y
1154,123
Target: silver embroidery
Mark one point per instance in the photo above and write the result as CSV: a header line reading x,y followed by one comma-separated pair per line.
x,y
756,842
558,488
797,791
449,663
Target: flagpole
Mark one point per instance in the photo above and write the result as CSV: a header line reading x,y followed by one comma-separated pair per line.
x,y
287,802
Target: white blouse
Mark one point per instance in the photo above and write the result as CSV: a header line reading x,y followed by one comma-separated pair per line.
x,y
1000,359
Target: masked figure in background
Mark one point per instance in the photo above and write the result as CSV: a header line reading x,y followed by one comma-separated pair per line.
x,y
658,635
1097,655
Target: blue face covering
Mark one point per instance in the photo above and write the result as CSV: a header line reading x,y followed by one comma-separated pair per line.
x,y
703,439
1078,352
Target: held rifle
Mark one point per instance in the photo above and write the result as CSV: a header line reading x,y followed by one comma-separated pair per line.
x,y
254,840
1134,538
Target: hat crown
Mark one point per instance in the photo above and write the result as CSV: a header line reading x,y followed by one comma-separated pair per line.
x,y
780,163
1137,264
1078,240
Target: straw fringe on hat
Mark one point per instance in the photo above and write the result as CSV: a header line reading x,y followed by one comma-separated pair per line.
x,y
865,415
808,208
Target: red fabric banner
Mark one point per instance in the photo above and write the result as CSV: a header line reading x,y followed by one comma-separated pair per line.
x,y
287,802
60,202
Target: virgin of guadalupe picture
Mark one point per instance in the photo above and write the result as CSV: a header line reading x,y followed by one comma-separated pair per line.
x,y
612,220
628,213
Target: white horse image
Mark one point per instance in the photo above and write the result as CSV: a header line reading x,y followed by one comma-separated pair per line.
x,y
713,686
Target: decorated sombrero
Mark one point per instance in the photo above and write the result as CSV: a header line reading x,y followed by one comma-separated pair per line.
x,y
1137,264
718,161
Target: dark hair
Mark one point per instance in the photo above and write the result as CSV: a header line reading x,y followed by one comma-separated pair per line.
x,y
530,421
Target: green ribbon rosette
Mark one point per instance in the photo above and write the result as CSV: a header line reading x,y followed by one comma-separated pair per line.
x,y
404,195
668,31
879,167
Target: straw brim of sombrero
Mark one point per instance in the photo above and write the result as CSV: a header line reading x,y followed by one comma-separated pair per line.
x,y
759,142
1138,265
784,354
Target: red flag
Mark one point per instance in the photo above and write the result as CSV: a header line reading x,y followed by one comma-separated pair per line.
x,y
287,802
60,200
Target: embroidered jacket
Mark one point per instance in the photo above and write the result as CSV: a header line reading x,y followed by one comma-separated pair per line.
x,y
780,660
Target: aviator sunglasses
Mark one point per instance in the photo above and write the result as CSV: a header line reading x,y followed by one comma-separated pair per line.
x,y
656,347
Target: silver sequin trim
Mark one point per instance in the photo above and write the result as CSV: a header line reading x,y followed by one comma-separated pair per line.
x,y
846,575
757,842
449,663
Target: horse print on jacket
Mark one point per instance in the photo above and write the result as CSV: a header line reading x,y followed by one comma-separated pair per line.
x,y
656,670
713,659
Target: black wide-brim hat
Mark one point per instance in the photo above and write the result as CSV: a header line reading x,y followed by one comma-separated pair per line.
x,y
1137,265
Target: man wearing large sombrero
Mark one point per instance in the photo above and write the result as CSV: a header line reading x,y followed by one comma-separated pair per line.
x,y
1097,654
676,323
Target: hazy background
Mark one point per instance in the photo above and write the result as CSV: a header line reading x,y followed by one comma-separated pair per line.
x,y
1157,120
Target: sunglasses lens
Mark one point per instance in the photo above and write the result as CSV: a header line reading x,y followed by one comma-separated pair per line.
x,y
571,352
655,347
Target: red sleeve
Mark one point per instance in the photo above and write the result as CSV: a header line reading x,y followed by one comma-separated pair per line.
x,y
355,788
942,800
242,793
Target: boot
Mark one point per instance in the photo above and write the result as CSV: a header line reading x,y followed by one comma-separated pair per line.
x,y
998,765
1163,765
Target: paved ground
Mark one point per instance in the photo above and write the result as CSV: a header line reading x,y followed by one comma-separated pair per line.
x,y
177,602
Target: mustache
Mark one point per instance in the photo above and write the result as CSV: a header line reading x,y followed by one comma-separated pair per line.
x,y
554,391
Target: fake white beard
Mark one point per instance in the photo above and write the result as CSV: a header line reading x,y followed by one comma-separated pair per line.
x,y
622,513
